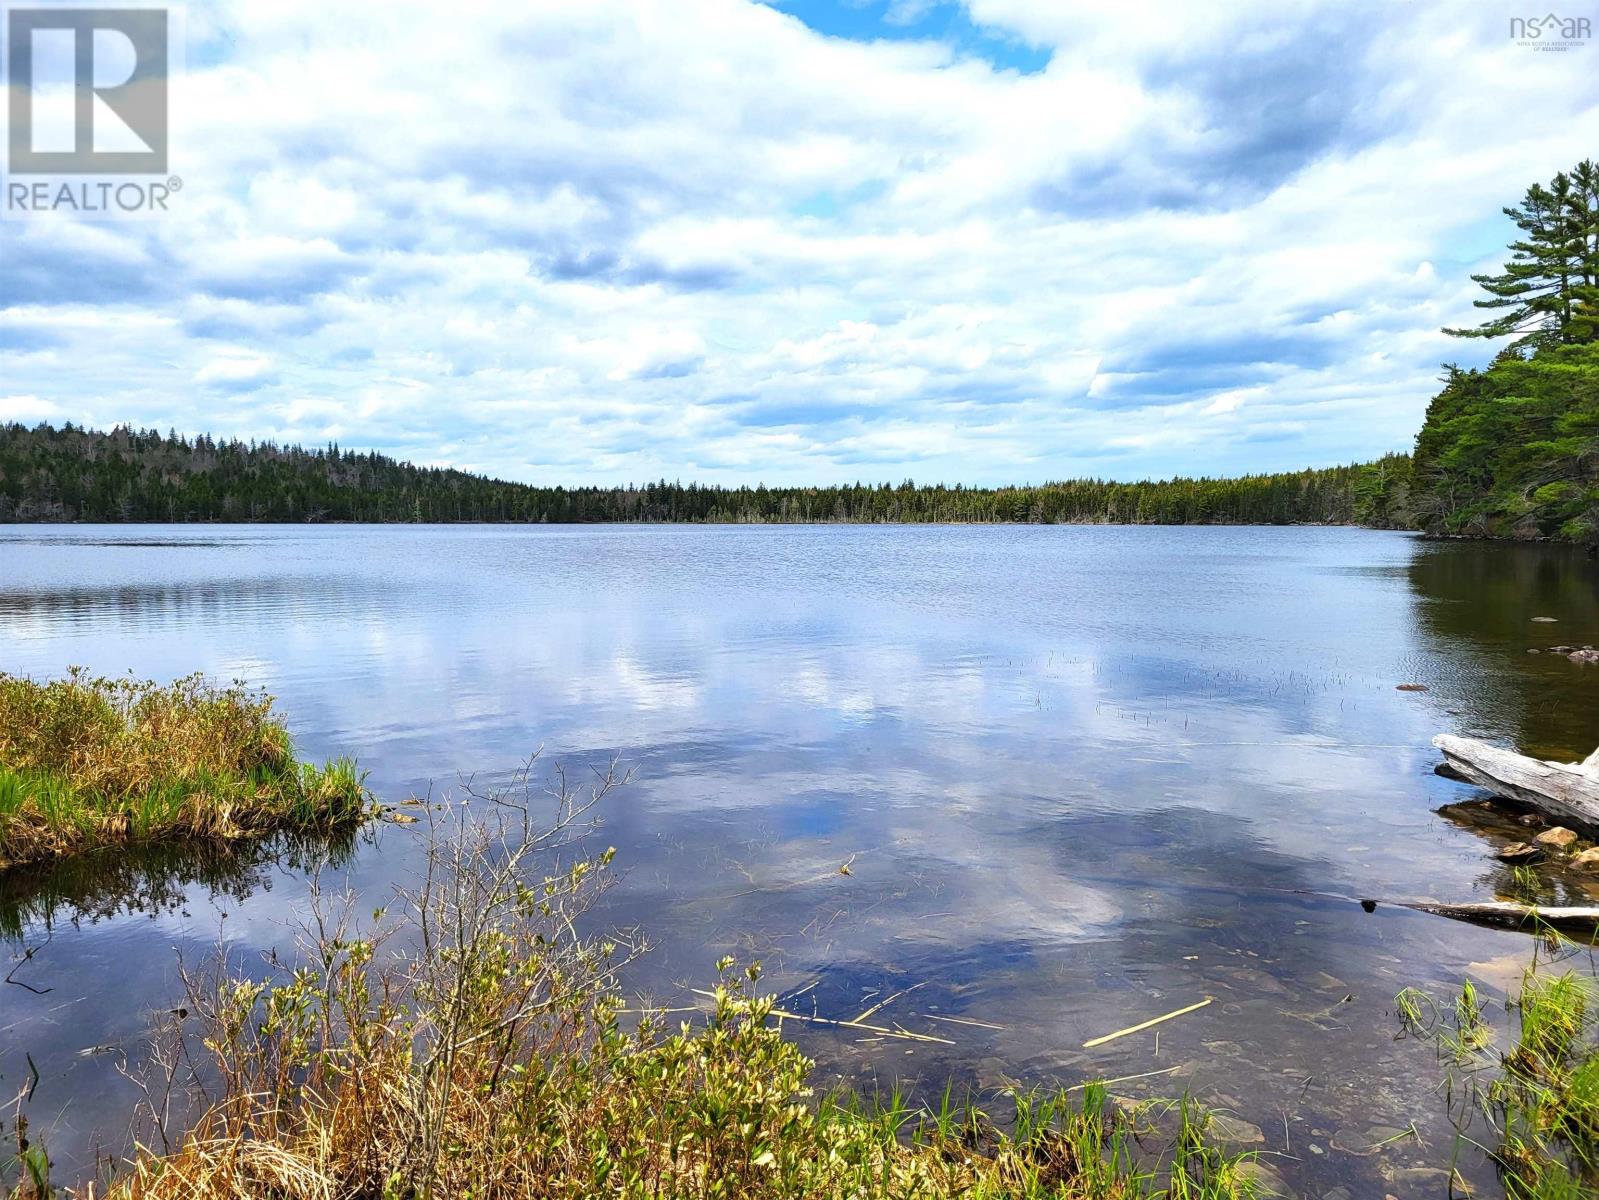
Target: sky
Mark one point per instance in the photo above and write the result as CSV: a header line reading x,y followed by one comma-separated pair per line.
x,y
807,241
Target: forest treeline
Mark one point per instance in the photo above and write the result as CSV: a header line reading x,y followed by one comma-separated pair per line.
x,y
75,474
1511,450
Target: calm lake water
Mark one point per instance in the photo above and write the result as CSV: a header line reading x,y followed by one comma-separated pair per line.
x,y
1080,776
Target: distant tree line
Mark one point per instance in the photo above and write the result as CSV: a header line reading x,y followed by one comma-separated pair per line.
x,y
75,474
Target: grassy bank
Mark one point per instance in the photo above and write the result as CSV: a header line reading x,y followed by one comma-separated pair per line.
x,y
87,763
574,1107
470,1041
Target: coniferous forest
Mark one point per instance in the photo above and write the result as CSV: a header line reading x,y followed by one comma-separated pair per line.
x,y
71,474
1511,450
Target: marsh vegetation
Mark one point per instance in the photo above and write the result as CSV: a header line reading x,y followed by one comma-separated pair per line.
x,y
1523,1089
88,762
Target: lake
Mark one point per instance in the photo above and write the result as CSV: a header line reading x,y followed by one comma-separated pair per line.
x,y
1081,776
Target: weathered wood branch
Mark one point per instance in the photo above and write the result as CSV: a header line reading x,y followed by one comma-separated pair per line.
x,y
1581,924
1569,791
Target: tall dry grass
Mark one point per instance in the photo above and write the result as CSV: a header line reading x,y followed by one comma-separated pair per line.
x,y
87,762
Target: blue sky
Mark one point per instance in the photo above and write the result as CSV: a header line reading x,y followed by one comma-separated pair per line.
x,y
983,241
946,22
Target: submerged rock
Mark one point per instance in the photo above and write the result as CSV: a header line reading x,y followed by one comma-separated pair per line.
x,y
1363,1143
1518,852
1324,982
992,1074
1584,656
1267,1179
1427,1181
1235,1132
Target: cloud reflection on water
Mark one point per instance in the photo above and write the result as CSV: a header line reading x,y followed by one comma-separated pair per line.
x,y
1081,776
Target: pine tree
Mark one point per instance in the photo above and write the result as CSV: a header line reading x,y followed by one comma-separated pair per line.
x,y
1584,219
1550,286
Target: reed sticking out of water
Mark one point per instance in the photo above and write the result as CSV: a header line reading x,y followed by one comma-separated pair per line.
x,y
470,1041
87,763
1539,1099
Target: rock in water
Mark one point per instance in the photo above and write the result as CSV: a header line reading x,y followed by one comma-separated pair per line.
x,y
1234,1131
1365,1142
1421,1181
1518,852
1588,860
1559,837
1267,1181
1584,656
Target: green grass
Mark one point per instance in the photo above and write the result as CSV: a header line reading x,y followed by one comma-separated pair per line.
x,y
87,763
1534,1104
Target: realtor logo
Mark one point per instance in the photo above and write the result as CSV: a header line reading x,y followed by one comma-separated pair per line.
x,y
88,90
1550,32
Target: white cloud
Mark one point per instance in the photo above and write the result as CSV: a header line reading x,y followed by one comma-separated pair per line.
x,y
235,368
1230,402
27,409
632,238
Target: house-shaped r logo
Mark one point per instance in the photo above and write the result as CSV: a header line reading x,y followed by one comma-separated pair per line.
x,y
88,90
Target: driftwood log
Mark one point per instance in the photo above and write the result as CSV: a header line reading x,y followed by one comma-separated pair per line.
x,y
1581,924
1568,791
